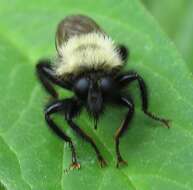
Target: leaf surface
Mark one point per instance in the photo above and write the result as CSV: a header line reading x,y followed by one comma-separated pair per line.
x,y
32,157
176,17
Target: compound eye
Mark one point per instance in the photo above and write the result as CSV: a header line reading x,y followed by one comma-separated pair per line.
x,y
106,84
81,86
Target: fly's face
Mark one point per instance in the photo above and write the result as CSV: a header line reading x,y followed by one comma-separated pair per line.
x,y
94,90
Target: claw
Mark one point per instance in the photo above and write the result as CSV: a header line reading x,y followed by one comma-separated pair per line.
x,y
166,123
74,165
102,162
121,162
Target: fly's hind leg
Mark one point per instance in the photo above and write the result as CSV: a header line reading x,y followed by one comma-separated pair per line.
x,y
120,131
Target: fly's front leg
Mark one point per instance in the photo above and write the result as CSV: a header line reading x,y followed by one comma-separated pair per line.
x,y
132,76
56,107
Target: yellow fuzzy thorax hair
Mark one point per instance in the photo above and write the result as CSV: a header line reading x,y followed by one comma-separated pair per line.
x,y
87,51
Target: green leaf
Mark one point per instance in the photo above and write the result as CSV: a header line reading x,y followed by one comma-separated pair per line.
x,y
176,16
170,14
32,157
183,38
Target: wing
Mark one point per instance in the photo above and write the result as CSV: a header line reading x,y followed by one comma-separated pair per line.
x,y
74,25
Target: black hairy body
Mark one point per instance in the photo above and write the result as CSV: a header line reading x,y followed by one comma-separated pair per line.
x,y
95,84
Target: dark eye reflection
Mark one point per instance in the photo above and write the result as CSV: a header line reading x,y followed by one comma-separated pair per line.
x,y
81,86
106,84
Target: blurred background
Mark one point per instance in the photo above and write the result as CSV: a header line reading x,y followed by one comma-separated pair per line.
x,y
176,19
